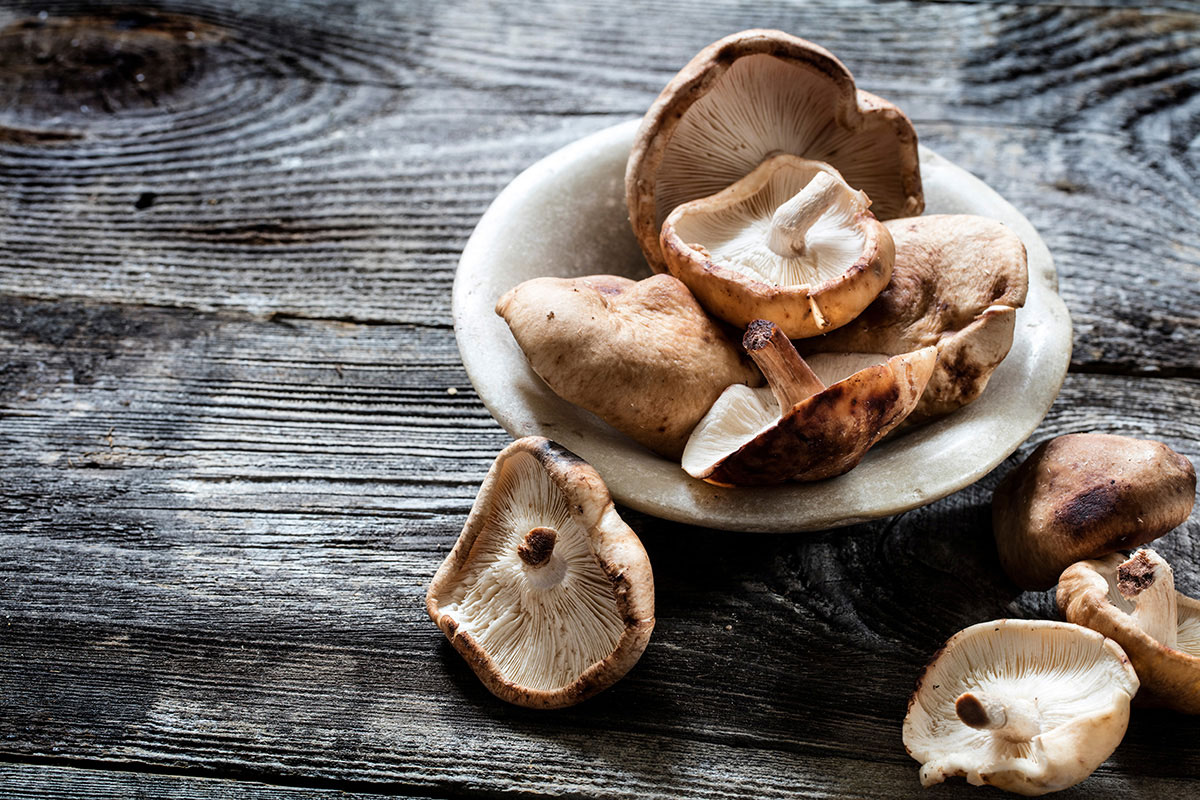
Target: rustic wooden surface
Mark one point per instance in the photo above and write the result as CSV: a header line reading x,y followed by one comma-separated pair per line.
x,y
237,438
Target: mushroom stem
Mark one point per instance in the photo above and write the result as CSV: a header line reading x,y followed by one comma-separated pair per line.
x,y
537,546
1146,580
789,376
791,221
1015,719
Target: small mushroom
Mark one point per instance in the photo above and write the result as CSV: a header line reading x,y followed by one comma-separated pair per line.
x,y
641,355
1084,495
957,282
547,593
749,96
790,242
1134,603
1028,706
799,429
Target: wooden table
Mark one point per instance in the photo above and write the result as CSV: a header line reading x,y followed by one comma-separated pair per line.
x,y
237,438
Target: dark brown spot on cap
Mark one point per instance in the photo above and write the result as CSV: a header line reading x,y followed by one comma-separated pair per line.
x,y
1089,510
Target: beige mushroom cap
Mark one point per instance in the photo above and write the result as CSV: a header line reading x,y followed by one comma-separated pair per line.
x,y
956,283
1028,706
1089,594
790,242
1085,495
755,437
547,593
641,355
753,94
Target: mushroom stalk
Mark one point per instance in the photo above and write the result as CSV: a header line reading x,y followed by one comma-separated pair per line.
x,y
791,221
1012,719
1146,580
790,377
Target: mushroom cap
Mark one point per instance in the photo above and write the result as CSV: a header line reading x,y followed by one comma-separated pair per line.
x,y
956,283
1088,595
718,246
1085,495
641,355
753,94
1079,682
747,440
535,642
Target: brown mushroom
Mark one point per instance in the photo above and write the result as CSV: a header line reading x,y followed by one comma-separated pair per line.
x,y
956,283
799,429
641,355
749,96
1085,495
790,242
1134,603
547,593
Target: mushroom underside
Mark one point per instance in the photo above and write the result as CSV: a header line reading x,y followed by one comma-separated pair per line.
x,y
543,625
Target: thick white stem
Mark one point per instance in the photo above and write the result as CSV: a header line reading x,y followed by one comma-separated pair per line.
x,y
1147,581
791,221
1012,719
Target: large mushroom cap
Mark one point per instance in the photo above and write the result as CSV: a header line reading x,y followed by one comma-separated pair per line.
x,y
1156,625
790,242
547,593
751,95
1085,495
956,283
641,355
1029,706
798,429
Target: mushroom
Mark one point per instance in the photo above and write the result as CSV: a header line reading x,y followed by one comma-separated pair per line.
x,y
956,283
799,429
1084,495
790,242
641,355
1134,603
1028,706
749,96
547,593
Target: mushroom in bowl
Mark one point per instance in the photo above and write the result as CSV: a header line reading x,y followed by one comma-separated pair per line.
x,y
790,242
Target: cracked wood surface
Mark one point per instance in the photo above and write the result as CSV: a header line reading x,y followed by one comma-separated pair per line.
x,y
237,439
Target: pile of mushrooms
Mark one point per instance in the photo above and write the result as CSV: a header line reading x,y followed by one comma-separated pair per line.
x,y
758,180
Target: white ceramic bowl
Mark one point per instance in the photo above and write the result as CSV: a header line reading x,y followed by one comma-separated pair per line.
x,y
566,216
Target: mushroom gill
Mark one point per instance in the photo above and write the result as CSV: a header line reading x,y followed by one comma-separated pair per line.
x,y
528,639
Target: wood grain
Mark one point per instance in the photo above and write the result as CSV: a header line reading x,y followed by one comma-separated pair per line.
x,y
236,438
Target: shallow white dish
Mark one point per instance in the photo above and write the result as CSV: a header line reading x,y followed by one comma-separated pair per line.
x,y
566,216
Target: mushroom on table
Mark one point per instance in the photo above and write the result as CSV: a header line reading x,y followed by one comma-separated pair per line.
x,y
1084,495
1029,706
1134,602
791,242
547,593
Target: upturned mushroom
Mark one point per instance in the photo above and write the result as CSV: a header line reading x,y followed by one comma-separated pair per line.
x,y
1084,495
956,283
641,355
1028,706
790,242
799,429
1134,602
547,593
754,94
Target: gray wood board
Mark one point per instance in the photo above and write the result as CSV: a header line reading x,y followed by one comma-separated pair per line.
x,y
217,531
231,460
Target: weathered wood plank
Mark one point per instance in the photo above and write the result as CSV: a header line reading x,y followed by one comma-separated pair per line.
x,y
49,781
235,585
204,197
